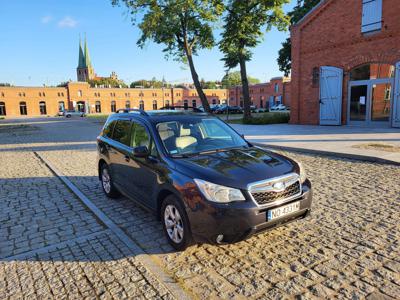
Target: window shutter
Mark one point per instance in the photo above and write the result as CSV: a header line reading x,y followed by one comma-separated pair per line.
x,y
372,15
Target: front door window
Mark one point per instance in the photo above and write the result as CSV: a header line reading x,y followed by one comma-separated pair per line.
x,y
358,102
380,104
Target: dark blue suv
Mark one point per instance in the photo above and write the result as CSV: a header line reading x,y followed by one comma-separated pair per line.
x,y
201,178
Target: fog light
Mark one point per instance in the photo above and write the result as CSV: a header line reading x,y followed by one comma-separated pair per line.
x,y
220,238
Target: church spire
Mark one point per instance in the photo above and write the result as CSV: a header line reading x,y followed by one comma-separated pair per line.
x,y
87,56
81,62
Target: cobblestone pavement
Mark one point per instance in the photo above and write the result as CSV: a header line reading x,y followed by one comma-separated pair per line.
x,y
348,248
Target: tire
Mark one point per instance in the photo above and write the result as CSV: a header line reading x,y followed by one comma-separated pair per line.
x,y
68,116
176,226
107,183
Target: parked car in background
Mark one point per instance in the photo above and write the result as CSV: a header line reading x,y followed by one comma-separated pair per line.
x,y
278,107
223,109
73,113
260,110
203,180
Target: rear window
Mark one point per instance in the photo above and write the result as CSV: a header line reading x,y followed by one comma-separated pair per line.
x,y
122,132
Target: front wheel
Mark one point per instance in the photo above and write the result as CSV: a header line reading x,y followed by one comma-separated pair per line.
x,y
175,223
107,183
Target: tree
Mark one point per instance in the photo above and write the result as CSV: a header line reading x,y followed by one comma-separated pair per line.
x,y
107,81
5,84
233,79
245,22
285,53
183,26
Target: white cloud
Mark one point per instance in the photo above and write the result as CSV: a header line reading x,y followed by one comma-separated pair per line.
x,y
67,22
46,19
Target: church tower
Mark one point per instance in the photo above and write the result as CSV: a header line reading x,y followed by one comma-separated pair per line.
x,y
84,71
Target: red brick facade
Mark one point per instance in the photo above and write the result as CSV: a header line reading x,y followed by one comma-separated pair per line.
x,y
260,94
331,36
47,100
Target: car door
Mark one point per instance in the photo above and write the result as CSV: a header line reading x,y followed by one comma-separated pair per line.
x,y
119,151
143,174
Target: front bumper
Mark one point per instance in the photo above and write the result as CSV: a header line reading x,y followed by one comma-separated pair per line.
x,y
237,221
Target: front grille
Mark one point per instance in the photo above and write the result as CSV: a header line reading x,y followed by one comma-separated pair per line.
x,y
268,197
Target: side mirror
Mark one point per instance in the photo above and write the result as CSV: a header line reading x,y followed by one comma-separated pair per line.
x,y
141,151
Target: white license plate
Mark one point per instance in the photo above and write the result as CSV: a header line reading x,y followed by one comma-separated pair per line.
x,y
283,211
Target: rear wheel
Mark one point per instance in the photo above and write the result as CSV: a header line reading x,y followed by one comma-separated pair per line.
x,y
107,183
175,223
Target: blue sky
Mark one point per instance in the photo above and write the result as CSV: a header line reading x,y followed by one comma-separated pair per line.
x,y
39,45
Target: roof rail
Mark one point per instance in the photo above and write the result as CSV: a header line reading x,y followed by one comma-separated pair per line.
x,y
128,110
194,109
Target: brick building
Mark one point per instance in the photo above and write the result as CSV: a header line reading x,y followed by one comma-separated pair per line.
x,y
264,95
346,64
36,101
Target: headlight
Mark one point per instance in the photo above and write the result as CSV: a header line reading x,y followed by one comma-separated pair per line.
x,y
303,175
218,193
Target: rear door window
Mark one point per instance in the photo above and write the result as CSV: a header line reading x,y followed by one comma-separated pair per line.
x,y
122,131
108,129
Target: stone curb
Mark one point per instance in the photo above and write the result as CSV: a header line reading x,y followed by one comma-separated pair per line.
x,y
139,253
365,158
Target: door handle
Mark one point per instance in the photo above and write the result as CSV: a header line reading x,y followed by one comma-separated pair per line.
x,y
127,158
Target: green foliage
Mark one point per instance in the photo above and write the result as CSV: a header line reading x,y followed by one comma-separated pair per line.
x,y
106,81
264,119
63,84
233,79
210,84
153,83
285,53
5,84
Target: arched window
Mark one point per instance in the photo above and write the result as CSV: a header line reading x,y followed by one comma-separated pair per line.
x,y
98,107
141,104
185,104
194,103
79,93
166,103
372,71
128,104
42,107
276,88
22,108
3,109
113,106
154,104
61,106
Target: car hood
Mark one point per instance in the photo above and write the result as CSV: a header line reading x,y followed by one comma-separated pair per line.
x,y
236,168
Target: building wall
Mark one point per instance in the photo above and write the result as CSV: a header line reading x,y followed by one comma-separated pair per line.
x,y
277,87
331,36
81,92
32,96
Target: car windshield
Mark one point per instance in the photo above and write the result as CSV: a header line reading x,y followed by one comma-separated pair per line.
x,y
195,136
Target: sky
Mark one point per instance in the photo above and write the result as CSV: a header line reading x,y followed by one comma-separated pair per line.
x,y
40,39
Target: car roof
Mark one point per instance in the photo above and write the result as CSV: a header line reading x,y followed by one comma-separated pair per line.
x,y
156,116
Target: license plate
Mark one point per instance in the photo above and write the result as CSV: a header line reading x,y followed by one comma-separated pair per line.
x,y
283,211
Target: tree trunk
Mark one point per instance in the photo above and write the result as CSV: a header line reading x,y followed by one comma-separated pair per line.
x,y
196,82
245,89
